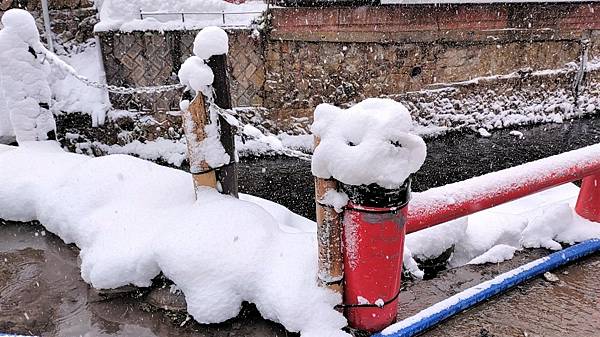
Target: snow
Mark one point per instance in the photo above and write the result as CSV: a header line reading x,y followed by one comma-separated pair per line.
x,y
517,134
211,41
335,199
542,230
483,132
496,254
125,15
72,96
132,219
366,143
24,81
196,74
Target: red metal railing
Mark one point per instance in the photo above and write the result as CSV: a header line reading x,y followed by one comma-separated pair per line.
x,y
459,199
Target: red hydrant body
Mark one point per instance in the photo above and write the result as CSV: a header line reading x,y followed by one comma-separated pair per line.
x,y
373,251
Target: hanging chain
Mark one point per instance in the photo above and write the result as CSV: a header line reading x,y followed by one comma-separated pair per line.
x,y
54,61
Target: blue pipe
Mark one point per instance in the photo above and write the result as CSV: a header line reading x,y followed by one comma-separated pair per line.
x,y
477,294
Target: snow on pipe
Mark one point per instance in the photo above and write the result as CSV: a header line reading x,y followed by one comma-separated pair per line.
x,y
435,314
456,200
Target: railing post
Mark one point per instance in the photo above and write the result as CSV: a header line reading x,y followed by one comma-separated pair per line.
x,y
588,202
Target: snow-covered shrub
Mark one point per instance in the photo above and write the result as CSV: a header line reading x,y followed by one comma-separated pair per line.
x,y
24,81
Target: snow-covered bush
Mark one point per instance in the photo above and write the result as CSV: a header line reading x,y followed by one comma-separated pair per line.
x,y
24,81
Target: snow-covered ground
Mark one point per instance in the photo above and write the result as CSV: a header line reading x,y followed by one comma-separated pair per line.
x,y
125,15
132,219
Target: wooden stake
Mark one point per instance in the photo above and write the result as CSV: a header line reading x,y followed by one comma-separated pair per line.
x,y
329,236
194,120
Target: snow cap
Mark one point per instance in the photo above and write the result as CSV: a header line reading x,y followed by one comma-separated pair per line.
x,y
367,143
211,41
196,74
23,25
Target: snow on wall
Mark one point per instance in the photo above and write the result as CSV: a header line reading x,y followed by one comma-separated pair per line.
x,y
132,219
125,15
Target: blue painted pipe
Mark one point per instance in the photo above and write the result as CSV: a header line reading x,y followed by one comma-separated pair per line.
x,y
479,293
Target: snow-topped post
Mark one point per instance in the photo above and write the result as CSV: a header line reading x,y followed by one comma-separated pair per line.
x,y
369,150
24,82
588,201
209,134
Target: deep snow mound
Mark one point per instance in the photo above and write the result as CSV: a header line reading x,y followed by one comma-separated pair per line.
x,y
132,219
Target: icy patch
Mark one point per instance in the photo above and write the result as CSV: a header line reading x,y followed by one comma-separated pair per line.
x,y
132,219
367,143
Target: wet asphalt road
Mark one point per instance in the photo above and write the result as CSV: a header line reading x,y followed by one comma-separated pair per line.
x,y
451,158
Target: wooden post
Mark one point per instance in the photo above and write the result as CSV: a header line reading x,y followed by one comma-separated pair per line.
x,y
196,117
329,237
194,120
227,175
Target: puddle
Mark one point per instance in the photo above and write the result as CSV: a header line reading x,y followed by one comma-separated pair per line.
x,y
42,293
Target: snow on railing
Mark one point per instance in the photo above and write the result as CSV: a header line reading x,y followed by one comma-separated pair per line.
x,y
182,15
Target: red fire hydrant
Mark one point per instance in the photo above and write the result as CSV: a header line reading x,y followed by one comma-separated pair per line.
x,y
373,242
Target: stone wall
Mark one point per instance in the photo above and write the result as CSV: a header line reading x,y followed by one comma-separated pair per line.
x,y
343,55
153,58
72,21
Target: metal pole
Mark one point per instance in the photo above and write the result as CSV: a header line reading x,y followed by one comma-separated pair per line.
x,y
46,16
452,201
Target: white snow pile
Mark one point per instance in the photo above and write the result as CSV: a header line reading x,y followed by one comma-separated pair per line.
x,y
25,94
366,143
132,219
125,15
197,76
28,73
71,95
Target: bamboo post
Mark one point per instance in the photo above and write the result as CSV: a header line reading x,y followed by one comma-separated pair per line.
x,y
329,237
